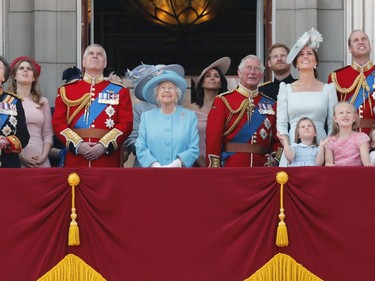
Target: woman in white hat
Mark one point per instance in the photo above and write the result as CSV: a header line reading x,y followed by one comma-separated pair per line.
x,y
306,97
168,134
209,84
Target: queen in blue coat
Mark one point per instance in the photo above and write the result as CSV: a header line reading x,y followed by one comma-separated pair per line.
x,y
168,134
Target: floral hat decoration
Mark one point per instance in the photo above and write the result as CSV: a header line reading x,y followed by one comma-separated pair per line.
x,y
311,38
145,77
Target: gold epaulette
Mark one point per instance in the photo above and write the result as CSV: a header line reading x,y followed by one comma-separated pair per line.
x,y
70,82
265,83
225,93
267,97
117,83
14,95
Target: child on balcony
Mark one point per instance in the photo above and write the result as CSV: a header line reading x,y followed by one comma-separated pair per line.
x,y
346,146
304,151
372,146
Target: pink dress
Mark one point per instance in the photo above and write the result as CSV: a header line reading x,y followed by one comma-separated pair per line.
x,y
39,125
202,123
346,152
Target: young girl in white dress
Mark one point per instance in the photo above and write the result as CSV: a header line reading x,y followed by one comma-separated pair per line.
x,y
304,151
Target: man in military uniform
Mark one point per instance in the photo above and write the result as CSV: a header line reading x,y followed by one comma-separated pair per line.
x,y
277,55
93,116
355,82
13,129
241,126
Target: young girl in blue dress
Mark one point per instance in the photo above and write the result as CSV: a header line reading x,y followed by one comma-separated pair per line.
x,y
304,151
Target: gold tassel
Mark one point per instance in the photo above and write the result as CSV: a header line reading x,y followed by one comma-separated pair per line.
x,y
282,231
73,236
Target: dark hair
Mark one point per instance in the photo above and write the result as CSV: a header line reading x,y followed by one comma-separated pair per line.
x,y
6,68
277,45
197,96
316,58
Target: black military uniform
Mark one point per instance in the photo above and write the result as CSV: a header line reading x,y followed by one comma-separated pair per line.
x,y
13,127
271,89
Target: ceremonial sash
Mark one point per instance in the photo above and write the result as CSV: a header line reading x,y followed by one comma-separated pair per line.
x,y
96,108
360,99
246,132
4,116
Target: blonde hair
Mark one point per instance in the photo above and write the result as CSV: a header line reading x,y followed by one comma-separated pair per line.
x,y
335,126
296,134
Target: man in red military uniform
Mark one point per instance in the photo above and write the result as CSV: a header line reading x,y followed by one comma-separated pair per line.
x,y
93,116
241,126
355,82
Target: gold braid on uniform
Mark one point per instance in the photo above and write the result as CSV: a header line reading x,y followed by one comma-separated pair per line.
x,y
359,82
241,109
82,102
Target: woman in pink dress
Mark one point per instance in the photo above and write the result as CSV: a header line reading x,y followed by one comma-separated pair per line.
x,y
24,75
346,146
209,84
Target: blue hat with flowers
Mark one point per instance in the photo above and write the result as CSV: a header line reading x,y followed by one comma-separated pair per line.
x,y
146,77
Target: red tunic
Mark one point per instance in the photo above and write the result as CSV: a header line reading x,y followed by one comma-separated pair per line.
x,y
220,120
111,127
346,86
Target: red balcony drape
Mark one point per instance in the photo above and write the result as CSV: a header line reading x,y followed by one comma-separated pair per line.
x,y
188,224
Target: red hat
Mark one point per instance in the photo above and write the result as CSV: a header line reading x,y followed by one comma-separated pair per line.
x,y
37,66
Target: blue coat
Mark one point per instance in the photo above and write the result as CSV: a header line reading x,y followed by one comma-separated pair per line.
x,y
164,138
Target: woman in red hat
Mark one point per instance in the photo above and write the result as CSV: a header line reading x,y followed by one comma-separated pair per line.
x,y
24,74
13,130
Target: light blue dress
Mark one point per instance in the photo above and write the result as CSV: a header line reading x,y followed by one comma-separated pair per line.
x,y
318,106
305,154
164,138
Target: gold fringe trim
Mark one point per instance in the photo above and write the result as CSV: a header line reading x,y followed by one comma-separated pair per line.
x,y
359,82
73,236
81,102
283,268
282,232
241,109
72,268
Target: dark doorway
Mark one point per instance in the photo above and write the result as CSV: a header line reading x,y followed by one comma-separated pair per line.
x,y
130,39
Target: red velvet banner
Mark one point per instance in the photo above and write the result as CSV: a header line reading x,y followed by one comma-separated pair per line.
x,y
188,224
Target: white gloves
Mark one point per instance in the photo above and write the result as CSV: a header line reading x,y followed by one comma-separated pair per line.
x,y
155,165
175,164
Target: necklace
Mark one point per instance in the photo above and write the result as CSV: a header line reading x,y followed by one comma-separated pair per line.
x,y
173,111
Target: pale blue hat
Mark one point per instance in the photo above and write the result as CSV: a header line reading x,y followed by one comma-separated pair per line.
x,y
163,76
152,75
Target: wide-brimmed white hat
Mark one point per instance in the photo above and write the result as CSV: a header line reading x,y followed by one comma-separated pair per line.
x,y
311,38
143,73
222,64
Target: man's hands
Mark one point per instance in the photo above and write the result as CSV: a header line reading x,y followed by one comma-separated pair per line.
x,y
91,151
